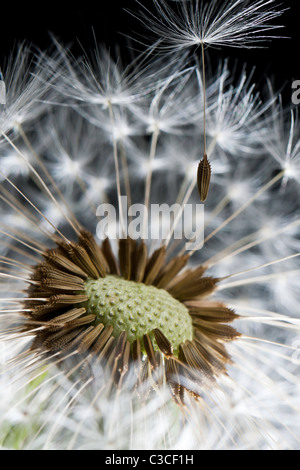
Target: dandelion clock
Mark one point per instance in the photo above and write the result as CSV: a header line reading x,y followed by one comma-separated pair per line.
x,y
149,241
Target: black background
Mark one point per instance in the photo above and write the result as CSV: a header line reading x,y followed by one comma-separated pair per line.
x,y
74,24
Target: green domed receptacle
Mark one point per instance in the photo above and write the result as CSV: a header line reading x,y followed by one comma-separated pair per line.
x,y
138,309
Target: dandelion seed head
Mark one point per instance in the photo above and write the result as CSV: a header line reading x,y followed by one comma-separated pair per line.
x,y
117,341
230,23
282,141
233,113
292,169
237,191
26,85
97,187
13,164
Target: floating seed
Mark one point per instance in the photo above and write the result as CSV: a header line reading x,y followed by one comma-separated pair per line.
x,y
203,178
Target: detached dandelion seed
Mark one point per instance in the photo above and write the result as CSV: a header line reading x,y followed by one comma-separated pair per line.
x,y
197,24
203,178
231,23
135,341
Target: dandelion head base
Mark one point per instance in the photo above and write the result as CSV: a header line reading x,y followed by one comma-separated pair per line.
x,y
132,310
138,309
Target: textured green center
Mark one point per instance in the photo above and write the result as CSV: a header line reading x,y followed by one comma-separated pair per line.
x,y
138,309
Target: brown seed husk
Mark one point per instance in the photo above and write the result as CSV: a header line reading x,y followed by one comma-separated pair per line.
x,y
203,178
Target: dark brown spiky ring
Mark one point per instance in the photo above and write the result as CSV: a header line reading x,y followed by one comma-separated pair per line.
x,y
138,310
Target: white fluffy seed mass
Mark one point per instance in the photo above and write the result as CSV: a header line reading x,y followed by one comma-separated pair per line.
x,y
78,132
